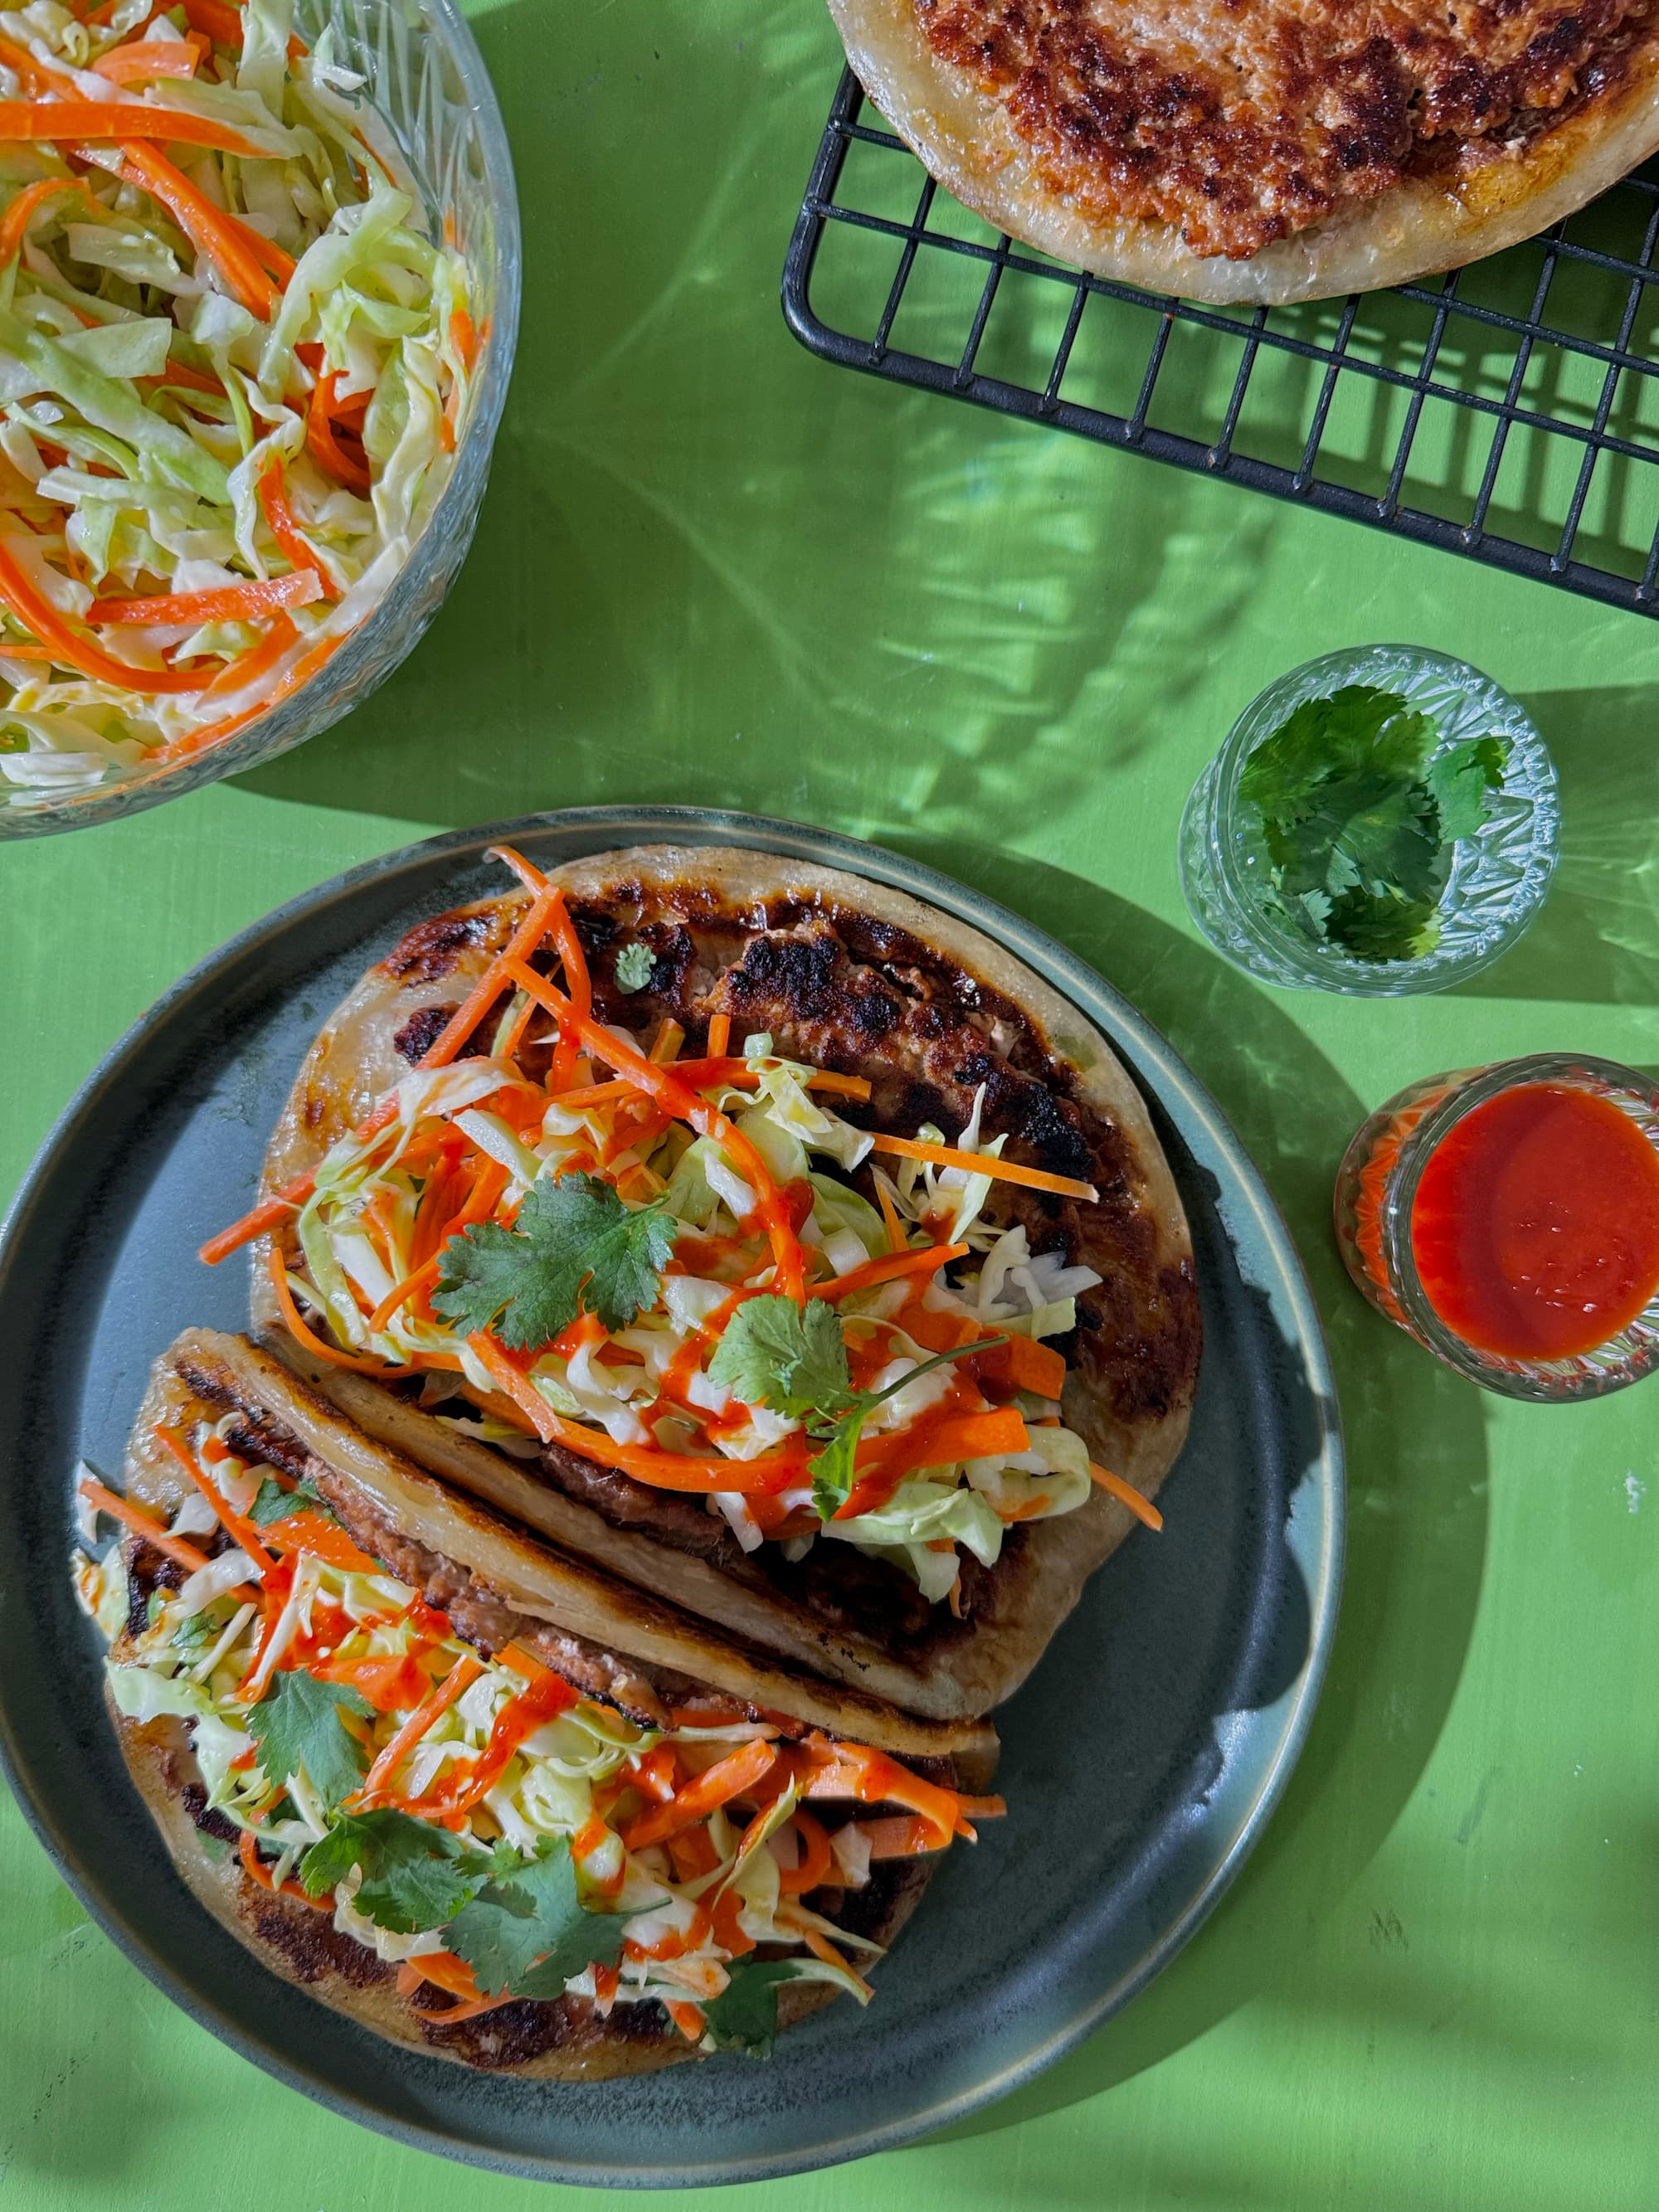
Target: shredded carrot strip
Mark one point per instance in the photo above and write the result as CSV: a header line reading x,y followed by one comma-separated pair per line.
x,y
456,2013
947,1155
1142,1508
325,448
243,1531
36,613
548,1695
273,498
320,1539
853,1770
1023,1364
484,993
248,1851
175,376
301,672
822,1947
172,58
56,120
814,1865
664,1470
142,1524
715,1786
259,660
217,20
266,250
14,224
719,1034
443,1970
303,1333
686,2017
465,1671
597,1094
248,602
32,74
456,1978
422,1279
522,1021
890,1219
214,233
924,1260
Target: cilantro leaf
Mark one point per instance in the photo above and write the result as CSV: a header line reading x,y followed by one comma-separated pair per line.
x,y
1358,817
635,965
576,1247
774,1353
1382,927
194,1635
834,1468
1460,779
1356,730
744,2016
273,1503
528,1931
298,1729
414,1876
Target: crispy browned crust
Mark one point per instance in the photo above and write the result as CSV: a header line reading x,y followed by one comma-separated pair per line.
x,y
1062,1094
202,1376
1476,198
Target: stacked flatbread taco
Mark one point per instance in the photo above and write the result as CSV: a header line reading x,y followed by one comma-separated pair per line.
x,y
712,1316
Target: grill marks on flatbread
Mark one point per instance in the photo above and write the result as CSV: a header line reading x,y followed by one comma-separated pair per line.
x,y
862,981
1287,150
498,1586
1240,126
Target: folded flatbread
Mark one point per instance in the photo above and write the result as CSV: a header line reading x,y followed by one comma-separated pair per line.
x,y
475,1794
927,1027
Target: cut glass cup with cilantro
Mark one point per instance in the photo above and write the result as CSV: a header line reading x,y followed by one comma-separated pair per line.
x,y
1380,822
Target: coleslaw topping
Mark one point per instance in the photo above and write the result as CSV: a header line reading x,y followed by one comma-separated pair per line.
x,y
234,368
661,1262
477,1819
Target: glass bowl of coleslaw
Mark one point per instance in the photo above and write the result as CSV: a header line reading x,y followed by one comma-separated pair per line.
x,y
260,277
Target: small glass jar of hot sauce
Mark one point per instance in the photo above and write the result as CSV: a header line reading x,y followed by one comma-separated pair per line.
x,y
1508,1217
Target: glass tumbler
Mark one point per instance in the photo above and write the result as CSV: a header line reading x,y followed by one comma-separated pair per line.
x,y
1376,1188
1499,876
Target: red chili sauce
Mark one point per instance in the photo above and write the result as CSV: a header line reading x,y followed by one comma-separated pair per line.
x,y
1535,1226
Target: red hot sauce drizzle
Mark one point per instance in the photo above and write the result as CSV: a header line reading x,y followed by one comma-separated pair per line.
x,y
1535,1226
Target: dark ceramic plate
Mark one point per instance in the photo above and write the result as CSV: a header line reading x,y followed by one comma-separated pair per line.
x,y
1141,1761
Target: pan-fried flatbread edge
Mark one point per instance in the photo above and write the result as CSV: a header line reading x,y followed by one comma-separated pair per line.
x,y
354,1060
963,136
283,1933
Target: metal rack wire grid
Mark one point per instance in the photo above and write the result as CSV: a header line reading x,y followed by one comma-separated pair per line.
x,y
1508,412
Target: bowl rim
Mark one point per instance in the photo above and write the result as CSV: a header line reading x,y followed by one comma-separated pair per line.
x,y
109,800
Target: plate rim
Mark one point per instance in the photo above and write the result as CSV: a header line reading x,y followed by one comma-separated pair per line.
x,y
1322,1570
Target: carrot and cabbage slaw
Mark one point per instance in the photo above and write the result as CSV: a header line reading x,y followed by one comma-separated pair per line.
x,y
699,1839
232,373
733,1151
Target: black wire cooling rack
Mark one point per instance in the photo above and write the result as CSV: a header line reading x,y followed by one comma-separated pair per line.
x,y
1508,412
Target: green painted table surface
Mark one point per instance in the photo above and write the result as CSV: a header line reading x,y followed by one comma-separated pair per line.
x,y
712,569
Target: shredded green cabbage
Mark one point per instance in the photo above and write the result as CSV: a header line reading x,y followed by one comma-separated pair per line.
x,y
171,426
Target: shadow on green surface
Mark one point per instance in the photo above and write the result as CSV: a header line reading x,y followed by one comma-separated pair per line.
x,y
678,489
1597,936
1417,1487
